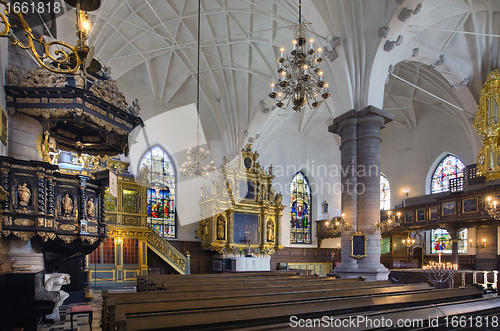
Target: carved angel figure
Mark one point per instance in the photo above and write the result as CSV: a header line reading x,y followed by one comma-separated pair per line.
x,y
270,231
90,208
67,204
221,228
24,194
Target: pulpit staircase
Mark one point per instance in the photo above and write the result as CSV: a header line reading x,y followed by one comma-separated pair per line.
x,y
169,253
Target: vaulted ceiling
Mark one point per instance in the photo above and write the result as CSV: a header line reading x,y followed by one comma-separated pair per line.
x,y
446,49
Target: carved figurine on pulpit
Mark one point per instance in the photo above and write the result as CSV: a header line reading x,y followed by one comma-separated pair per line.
x,y
24,194
90,208
67,204
236,210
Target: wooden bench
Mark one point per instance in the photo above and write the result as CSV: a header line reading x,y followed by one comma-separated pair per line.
x,y
165,283
231,316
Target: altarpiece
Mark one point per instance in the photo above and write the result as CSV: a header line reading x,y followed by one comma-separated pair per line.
x,y
241,210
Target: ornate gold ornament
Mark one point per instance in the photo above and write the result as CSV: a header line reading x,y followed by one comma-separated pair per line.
x,y
23,235
90,240
46,235
487,124
67,227
358,238
24,222
64,58
66,238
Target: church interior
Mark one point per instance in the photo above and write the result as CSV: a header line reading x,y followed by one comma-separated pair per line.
x,y
343,149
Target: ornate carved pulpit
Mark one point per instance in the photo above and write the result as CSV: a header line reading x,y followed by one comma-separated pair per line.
x,y
241,211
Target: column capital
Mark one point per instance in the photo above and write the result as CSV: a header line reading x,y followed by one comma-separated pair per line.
x,y
352,117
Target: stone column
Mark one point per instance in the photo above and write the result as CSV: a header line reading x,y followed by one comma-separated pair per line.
x,y
360,178
370,121
24,136
345,127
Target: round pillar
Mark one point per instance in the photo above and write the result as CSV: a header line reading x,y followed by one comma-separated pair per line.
x,y
24,134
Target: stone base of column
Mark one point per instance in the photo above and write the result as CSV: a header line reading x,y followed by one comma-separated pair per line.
x,y
370,271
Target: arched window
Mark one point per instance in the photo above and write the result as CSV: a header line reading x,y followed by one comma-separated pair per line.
x,y
157,168
450,167
385,193
300,210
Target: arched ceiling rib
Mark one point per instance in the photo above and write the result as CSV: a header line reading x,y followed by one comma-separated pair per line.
x,y
151,48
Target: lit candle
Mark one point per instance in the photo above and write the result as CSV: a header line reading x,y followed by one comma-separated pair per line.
x,y
272,87
305,69
326,87
282,50
311,41
294,42
320,50
320,73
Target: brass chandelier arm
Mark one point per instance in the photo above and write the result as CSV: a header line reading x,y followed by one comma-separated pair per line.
x,y
60,57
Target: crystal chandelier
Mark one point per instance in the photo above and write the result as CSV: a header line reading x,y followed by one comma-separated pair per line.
x,y
300,79
193,165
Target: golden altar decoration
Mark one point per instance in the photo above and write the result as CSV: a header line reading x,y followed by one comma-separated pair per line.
x,y
241,210
486,124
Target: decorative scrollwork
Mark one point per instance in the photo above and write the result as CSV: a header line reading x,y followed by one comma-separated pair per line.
x,y
64,59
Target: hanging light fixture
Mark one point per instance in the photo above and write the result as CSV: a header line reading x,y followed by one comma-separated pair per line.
x,y
300,79
57,56
193,165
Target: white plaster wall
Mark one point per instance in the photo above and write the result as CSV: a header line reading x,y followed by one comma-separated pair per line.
x,y
407,155
317,155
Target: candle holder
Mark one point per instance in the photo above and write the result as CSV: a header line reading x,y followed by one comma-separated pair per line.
x,y
439,273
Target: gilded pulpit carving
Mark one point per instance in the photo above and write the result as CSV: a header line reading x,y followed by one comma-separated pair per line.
x,y
24,194
90,208
241,210
67,204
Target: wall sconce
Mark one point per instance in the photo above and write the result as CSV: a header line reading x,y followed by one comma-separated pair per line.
x,y
389,223
406,191
343,224
479,245
408,243
119,241
491,208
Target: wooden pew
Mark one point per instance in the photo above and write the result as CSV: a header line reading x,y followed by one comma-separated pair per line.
x,y
231,316
229,283
159,284
224,291
424,317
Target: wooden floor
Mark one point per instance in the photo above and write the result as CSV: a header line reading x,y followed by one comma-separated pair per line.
x,y
80,322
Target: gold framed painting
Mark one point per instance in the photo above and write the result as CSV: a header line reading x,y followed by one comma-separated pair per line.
x,y
470,205
448,208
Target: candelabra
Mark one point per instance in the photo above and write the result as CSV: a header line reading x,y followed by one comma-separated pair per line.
x,y
389,223
300,79
439,273
492,210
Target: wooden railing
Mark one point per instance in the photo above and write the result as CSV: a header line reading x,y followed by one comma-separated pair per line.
x,y
168,253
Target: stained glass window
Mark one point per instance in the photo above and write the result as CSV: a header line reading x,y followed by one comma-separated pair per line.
x,y
300,210
450,167
385,193
441,241
157,168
